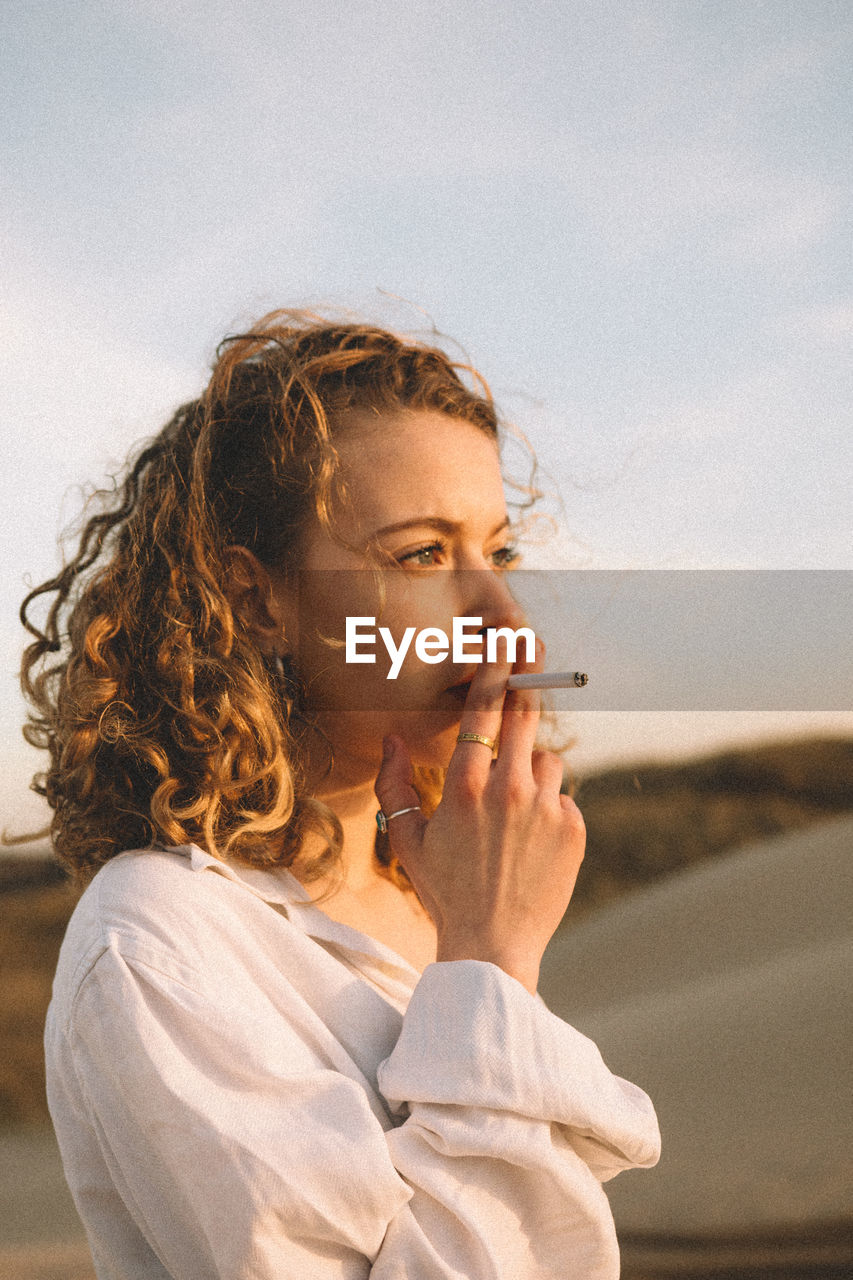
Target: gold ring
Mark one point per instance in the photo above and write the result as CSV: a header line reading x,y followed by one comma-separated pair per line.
x,y
477,737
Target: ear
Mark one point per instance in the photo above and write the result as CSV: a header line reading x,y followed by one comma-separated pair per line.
x,y
258,599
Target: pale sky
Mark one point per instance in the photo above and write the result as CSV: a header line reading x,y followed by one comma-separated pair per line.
x,y
635,216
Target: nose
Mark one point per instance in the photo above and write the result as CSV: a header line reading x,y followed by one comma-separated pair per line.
x,y
486,594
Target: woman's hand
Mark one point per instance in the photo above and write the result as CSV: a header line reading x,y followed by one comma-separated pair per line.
x,y
496,864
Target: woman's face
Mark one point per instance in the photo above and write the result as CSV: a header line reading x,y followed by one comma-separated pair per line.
x,y
425,524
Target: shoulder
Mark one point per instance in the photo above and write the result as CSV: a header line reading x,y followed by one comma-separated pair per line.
x,y
139,893
170,909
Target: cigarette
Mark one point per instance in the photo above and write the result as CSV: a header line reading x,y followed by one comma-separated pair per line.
x,y
549,680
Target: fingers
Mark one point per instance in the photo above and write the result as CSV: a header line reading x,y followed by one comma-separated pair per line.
x,y
573,813
520,722
395,791
482,715
547,771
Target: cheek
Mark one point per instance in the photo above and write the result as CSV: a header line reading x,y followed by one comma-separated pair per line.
x,y
334,682
429,608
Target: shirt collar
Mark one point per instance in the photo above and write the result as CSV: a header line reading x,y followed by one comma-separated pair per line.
x,y
280,887
276,884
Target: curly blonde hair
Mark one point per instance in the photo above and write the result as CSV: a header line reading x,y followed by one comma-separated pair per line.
x,y
163,721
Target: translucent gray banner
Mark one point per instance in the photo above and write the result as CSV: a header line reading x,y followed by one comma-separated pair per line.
x,y
676,640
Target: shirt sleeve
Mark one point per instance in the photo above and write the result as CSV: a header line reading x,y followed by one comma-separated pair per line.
x,y
240,1148
512,1122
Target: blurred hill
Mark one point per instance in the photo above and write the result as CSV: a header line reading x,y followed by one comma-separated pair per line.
x,y
643,824
36,902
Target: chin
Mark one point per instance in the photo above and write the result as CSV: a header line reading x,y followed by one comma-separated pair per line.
x,y
430,736
431,750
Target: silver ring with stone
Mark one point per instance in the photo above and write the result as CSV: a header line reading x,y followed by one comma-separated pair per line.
x,y
382,819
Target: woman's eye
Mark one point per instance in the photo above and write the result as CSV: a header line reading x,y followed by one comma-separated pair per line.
x,y
431,556
505,557
424,557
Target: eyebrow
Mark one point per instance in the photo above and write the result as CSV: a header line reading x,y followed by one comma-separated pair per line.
x,y
434,522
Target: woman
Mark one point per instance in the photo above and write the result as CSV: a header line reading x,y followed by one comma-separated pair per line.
x,y
279,1043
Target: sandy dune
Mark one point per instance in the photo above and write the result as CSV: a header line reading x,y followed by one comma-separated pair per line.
x,y
725,992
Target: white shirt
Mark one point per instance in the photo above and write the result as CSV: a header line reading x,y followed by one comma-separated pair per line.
x,y
244,1089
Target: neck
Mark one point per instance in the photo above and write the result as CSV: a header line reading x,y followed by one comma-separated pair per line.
x,y
348,791
361,897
